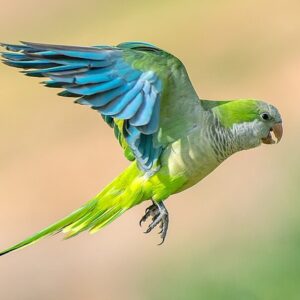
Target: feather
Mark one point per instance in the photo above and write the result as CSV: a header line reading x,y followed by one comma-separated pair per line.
x,y
153,124
88,90
143,115
53,70
73,51
130,110
101,99
29,64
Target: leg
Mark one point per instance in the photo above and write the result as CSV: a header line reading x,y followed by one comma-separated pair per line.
x,y
160,217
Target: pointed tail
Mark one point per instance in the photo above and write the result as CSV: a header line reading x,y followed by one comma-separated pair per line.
x,y
123,193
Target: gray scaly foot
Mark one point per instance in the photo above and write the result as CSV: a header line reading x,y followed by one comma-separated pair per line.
x,y
160,217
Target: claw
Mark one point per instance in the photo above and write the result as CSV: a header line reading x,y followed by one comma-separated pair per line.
x,y
162,241
144,218
164,231
160,217
148,212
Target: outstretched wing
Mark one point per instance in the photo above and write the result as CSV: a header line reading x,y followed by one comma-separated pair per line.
x,y
125,84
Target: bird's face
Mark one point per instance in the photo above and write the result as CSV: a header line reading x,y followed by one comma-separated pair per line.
x,y
269,124
252,122
264,127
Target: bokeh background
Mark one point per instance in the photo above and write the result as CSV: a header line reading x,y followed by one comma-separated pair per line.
x,y
234,236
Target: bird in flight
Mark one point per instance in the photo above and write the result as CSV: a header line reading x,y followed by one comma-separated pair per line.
x,y
173,138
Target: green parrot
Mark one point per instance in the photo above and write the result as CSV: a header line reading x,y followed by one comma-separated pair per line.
x,y
173,138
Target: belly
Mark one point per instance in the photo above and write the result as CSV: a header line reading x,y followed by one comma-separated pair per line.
x,y
191,157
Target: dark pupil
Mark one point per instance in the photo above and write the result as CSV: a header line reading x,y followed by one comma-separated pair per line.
x,y
265,116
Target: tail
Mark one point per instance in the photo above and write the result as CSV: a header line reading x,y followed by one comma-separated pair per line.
x,y
123,193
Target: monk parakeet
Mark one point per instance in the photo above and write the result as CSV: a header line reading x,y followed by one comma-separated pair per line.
x,y
173,138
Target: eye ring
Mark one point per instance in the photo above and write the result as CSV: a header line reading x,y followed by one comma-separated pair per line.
x,y
265,116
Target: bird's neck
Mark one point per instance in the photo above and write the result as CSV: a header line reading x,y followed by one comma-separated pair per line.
x,y
227,141
222,140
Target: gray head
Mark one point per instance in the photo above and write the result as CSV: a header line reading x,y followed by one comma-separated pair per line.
x,y
252,122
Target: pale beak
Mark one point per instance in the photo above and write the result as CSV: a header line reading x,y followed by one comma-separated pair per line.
x,y
277,129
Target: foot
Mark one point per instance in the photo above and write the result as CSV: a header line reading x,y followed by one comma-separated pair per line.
x,y
160,217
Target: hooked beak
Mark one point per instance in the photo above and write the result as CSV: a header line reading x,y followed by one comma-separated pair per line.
x,y
277,130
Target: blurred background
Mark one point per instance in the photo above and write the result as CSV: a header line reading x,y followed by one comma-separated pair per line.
x,y
235,236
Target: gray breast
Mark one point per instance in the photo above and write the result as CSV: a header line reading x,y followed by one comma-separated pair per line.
x,y
221,140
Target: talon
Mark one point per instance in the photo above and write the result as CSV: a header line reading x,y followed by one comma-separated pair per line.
x,y
141,222
148,213
160,217
159,244
148,230
143,219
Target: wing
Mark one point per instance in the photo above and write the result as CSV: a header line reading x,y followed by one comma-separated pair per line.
x,y
129,85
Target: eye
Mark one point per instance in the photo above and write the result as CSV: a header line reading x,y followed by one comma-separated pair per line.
x,y
265,116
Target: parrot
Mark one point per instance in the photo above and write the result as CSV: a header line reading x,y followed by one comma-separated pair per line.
x,y
172,138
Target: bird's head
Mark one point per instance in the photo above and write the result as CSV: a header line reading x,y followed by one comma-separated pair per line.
x,y
252,122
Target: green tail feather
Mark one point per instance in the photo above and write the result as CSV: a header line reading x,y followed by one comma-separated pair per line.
x,y
123,193
55,228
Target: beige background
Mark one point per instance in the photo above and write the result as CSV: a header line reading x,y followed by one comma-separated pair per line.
x,y
233,236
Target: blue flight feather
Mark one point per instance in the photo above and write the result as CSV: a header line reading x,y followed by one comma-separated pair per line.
x,y
53,84
153,125
29,64
88,90
54,70
130,110
143,115
14,56
101,99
